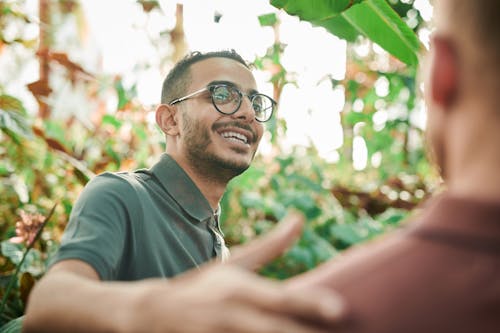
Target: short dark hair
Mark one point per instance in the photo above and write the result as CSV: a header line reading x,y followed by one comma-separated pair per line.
x,y
476,24
481,19
178,79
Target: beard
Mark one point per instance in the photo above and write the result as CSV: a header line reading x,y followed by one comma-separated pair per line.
x,y
197,141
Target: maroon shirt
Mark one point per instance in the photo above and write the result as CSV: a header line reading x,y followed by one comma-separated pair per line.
x,y
441,274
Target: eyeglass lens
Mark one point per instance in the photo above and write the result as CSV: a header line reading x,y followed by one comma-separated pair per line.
x,y
227,99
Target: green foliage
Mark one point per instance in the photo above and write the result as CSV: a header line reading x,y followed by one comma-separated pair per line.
x,y
268,19
13,118
26,260
374,19
13,326
313,10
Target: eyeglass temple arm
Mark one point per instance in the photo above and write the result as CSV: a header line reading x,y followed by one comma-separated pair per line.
x,y
178,100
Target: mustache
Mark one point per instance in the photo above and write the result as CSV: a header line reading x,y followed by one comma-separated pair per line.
x,y
238,124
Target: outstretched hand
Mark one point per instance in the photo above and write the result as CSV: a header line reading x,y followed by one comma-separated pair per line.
x,y
229,298
216,298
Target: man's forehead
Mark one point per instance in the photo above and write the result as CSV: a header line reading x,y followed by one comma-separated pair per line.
x,y
222,69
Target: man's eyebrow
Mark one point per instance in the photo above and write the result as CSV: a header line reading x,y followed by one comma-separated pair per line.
x,y
226,83
232,84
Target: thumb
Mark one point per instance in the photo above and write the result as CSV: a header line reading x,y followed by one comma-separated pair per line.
x,y
268,247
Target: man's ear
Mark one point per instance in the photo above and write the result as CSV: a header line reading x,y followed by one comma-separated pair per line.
x,y
166,119
444,72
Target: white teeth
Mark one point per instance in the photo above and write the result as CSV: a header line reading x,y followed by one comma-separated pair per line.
x,y
234,136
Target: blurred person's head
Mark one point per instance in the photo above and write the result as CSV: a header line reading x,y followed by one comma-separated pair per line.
x,y
462,85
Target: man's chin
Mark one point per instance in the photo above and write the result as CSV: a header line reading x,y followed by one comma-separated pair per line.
x,y
237,158
236,167
229,166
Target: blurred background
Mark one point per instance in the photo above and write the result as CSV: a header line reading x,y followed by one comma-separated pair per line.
x,y
79,81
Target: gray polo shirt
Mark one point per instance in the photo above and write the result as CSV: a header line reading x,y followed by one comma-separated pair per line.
x,y
142,224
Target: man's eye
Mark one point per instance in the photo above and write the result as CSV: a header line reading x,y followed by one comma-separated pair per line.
x,y
221,95
258,104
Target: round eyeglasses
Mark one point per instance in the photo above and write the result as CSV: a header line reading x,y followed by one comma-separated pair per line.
x,y
227,100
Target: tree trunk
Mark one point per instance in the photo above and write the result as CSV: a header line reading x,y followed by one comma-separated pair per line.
x,y
43,56
177,36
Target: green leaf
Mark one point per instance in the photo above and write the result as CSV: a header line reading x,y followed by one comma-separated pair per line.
x,y
13,326
140,132
251,199
124,95
340,27
55,130
302,255
379,22
353,118
111,120
247,179
392,216
276,209
33,261
374,19
11,103
268,19
312,9
348,233
13,118
12,251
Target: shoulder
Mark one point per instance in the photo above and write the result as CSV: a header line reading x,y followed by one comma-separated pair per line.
x,y
110,188
377,257
112,181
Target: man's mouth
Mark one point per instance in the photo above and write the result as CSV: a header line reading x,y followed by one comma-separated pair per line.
x,y
233,136
236,132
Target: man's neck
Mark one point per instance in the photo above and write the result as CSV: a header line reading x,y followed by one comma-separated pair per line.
x,y
210,186
473,158
475,183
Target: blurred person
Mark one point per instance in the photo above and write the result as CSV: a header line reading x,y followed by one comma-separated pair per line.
x,y
128,231
442,273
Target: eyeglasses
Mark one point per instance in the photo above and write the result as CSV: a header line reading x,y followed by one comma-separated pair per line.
x,y
227,100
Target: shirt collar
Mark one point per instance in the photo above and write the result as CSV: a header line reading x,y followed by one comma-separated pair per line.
x,y
469,217
182,189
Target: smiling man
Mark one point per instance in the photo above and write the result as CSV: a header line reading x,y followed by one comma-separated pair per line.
x,y
163,221
157,223
213,147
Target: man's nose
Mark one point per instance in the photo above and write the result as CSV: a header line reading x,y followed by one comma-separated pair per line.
x,y
245,111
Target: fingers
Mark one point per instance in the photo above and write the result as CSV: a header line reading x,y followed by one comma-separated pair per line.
x,y
241,319
319,304
219,291
312,304
268,247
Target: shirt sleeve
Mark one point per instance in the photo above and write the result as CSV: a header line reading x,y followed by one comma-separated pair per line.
x,y
97,229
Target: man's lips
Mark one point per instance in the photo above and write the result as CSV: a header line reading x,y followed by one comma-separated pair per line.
x,y
234,136
236,131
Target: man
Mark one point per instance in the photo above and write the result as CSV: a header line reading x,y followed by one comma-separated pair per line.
x,y
443,274
161,222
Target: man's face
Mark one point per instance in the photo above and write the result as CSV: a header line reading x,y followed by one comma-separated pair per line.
x,y
210,139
